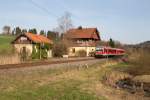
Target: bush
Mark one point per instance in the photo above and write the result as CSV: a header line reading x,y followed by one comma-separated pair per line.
x,y
111,43
140,57
44,53
35,54
60,49
81,53
91,54
139,61
40,51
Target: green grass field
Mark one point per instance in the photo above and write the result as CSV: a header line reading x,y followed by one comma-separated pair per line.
x,y
63,83
5,44
51,84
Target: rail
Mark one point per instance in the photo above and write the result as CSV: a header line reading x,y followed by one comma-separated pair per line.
x,y
38,63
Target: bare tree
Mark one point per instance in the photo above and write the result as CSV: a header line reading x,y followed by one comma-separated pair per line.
x,y
6,30
64,23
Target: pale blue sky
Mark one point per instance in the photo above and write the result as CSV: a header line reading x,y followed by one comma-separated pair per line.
x,y
125,20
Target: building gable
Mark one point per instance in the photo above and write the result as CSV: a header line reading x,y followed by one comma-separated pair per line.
x,y
22,39
83,33
32,38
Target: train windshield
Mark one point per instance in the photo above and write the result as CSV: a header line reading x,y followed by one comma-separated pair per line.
x,y
99,49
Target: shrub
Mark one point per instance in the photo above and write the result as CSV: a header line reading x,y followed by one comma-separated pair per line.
x,y
60,49
111,43
44,53
35,54
81,53
92,54
40,52
139,61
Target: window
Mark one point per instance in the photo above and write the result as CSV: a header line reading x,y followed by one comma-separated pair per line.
x,y
99,49
23,39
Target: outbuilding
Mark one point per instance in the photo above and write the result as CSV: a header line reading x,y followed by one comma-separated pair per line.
x,y
29,42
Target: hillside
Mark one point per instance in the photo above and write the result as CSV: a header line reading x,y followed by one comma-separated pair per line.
x,y
144,44
5,44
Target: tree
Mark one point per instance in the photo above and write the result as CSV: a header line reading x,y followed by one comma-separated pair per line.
x,y
24,31
103,43
52,35
42,32
118,44
6,30
111,43
34,31
60,48
13,32
18,31
64,23
80,27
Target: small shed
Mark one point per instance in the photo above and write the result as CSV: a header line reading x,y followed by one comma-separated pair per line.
x,y
28,41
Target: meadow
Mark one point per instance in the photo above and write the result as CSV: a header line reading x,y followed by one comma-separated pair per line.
x,y
64,83
138,62
7,52
5,44
69,83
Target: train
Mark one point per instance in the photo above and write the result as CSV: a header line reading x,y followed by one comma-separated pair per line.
x,y
102,51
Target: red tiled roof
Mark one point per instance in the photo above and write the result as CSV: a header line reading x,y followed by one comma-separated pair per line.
x,y
83,33
38,38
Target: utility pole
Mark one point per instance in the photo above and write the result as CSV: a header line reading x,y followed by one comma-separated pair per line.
x,y
40,50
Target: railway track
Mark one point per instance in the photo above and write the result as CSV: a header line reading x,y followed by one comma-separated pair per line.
x,y
34,64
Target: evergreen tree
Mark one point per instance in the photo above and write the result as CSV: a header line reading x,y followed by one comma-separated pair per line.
x,y
42,32
13,32
24,31
111,43
7,30
17,31
52,35
34,31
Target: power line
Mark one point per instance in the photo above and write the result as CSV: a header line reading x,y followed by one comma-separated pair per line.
x,y
52,14
67,10
42,8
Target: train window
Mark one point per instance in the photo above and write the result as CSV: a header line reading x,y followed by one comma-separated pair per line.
x,y
99,49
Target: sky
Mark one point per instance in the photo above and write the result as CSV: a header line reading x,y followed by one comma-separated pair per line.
x,y
127,21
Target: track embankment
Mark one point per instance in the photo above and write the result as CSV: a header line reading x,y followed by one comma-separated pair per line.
x,y
45,62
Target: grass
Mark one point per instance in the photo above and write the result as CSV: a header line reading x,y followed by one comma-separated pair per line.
x,y
5,43
62,90
7,50
138,64
63,83
53,84
68,83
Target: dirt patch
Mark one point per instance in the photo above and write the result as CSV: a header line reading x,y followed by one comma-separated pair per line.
x,y
138,86
112,77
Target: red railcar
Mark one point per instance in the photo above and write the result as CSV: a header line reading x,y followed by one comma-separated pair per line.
x,y
108,51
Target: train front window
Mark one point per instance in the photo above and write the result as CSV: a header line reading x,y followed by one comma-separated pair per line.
x,y
99,49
